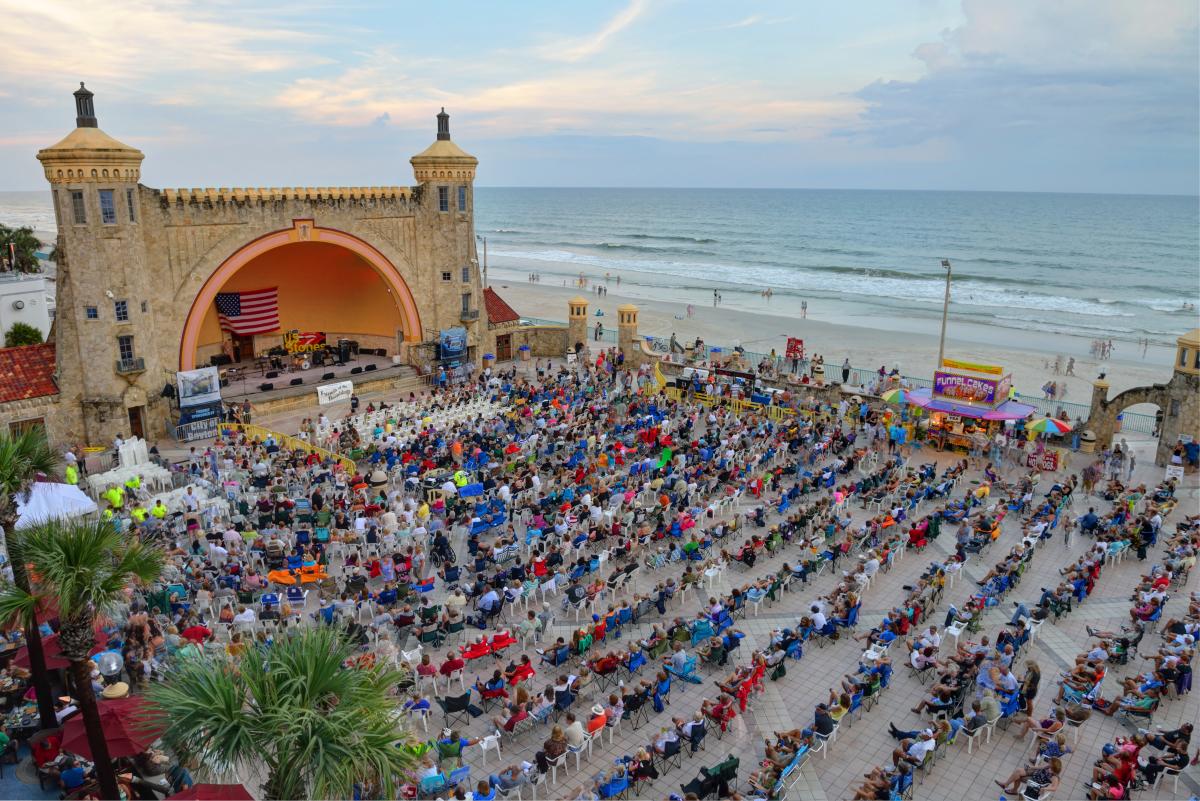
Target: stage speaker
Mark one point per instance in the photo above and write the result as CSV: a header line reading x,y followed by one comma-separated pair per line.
x,y
343,350
272,374
355,370
224,382
266,387
369,367
219,360
168,391
295,382
327,377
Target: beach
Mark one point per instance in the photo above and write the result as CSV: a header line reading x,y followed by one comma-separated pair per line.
x,y
914,352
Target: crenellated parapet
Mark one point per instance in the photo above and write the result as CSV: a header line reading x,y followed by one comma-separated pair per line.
x,y
260,194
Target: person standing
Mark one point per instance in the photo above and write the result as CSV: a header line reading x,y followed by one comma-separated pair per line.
x,y
846,371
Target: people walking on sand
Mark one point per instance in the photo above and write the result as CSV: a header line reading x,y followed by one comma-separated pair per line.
x,y
804,309
716,297
1071,366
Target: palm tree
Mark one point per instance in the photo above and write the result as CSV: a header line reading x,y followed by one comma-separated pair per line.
x,y
318,728
22,456
85,568
24,244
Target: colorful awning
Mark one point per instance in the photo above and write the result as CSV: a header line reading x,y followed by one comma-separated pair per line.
x,y
1009,410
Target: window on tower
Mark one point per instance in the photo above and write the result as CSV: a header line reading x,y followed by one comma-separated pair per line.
x,y
108,207
78,210
129,200
462,198
443,198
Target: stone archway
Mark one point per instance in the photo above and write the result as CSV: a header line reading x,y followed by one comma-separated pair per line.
x,y
1102,419
302,230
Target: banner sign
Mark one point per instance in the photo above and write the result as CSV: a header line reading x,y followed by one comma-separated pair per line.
x,y
1046,461
1003,386
332,393
988,369
452,344
303,341
198,387
199,422
795,348
965,388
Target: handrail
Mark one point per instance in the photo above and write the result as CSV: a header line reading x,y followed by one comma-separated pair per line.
x,y
258,432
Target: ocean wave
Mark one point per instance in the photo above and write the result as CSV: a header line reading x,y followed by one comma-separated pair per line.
x,y
672,238
801,281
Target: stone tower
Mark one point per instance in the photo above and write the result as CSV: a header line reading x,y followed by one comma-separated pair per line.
x,y
445,175
627,326
104,328
577,322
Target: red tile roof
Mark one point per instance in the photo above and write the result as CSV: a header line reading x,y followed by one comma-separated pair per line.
x,y
498,311
27,372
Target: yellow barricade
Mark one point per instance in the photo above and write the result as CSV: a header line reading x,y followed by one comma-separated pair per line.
x,y
291,443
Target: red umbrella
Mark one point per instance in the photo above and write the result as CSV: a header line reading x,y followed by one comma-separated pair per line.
x,y
213,792
127,726
51,650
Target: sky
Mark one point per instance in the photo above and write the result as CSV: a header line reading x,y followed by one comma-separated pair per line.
x,y
1005,95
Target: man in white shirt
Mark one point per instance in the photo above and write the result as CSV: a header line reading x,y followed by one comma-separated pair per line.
x,y
217,552
818,617
190,501
245,615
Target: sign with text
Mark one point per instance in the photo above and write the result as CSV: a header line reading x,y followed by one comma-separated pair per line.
x,y
972,367
1046,461
332,393
304,341
199,422
965,388
795,348
198,387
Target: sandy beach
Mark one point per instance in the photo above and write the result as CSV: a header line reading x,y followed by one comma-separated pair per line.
x,y
913,352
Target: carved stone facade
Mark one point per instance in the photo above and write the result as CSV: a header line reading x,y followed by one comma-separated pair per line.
x,y
1178,401
165,253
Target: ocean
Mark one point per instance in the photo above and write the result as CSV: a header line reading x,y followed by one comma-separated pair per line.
x,y
1099,266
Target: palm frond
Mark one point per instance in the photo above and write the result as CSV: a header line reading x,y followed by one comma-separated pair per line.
x,y
18,607
318,727
22,456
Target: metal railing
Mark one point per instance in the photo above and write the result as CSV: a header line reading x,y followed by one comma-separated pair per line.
x,y
466,315
134,365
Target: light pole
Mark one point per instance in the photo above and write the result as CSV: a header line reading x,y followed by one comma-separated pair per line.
x,y
945,313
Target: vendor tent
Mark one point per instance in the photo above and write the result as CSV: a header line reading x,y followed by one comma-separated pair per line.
x,y
1008,410
47,501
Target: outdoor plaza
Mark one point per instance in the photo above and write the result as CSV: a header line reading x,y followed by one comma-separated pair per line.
x,y
604,591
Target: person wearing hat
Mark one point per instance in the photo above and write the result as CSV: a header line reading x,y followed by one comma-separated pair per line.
x,y
914,751
113,691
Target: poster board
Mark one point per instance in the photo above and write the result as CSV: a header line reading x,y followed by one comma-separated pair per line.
x,y
198,387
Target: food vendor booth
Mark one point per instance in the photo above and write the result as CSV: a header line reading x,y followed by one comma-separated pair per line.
x,y
967,401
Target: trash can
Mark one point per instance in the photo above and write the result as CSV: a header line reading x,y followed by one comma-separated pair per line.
x,y
1088,441
524,350
1120,419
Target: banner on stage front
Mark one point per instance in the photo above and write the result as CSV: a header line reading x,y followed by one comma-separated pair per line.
x,y
198,387
332,393
987,369
795,348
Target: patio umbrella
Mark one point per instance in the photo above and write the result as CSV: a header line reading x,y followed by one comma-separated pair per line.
x,y
898,396
1049,425
127,726
213,792
51,650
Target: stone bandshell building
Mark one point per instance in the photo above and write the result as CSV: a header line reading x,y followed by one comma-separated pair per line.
x,y
140,268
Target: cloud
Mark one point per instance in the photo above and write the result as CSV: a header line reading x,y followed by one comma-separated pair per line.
x,y
753,19
578,49
139,42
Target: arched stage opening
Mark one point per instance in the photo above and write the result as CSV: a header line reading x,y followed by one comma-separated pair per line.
x,y
328,282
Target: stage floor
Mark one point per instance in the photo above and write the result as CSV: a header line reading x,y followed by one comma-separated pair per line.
x,y
245,379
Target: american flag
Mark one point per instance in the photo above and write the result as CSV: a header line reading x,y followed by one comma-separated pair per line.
x,y
255,312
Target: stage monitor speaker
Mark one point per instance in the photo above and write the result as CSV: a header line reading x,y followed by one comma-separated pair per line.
x,y
295,382
267,387
355,370
369,367
224,382
327,377
272,374
220,360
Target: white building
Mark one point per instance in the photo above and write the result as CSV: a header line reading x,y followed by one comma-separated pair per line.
x,y
26,298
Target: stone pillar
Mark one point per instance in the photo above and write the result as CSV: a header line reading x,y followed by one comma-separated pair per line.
x,y
577,322
1099,421
627,341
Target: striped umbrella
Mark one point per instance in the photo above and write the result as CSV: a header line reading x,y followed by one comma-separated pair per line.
x,y
898,396
1049,425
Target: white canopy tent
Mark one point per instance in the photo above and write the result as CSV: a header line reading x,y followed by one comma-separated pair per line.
x,y
47,501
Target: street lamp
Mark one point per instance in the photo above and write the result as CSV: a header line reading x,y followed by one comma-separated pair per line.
x,y
945,313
